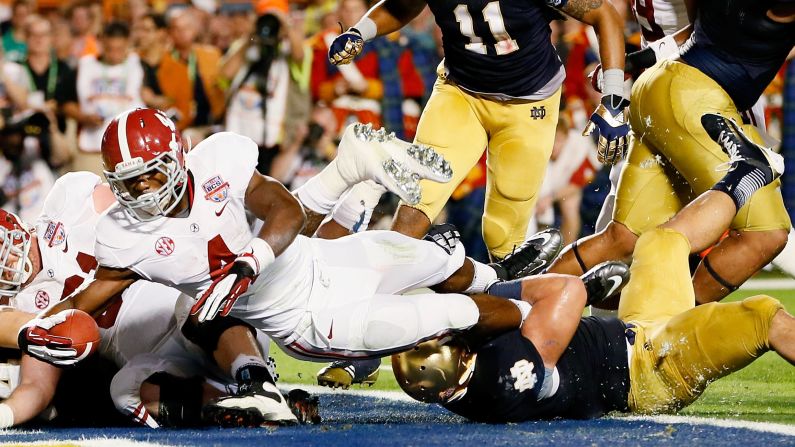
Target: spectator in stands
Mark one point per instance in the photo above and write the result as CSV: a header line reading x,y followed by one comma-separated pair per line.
x,y
25,179
189,74
257,67
106,86
13,89
151,44
52,84
63,40
81,20
353,91
14,45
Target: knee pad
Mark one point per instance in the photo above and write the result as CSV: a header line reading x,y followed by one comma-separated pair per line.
x,y
497,224
180,400
417,318
460,311
206,335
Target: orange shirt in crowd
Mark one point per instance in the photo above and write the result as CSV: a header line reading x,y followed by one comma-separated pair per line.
x,y
174,77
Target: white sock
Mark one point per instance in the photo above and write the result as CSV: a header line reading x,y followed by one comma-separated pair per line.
x,y
785,261
6,416
524,308
484,277
245,360
356,208
322,191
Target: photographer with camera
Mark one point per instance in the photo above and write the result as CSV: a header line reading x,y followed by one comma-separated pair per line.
x,y
258,69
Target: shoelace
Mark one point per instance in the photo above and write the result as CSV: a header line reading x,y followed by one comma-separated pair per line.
x,y
732,149
512,262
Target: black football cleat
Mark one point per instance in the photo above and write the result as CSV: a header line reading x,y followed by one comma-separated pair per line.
x,y
305,407
740,148
256,404
605,280
533,256
344,373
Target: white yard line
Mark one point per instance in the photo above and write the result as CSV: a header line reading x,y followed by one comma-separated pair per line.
x,y
97,442
769,284
768,427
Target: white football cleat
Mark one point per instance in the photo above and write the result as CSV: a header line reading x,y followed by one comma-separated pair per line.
x,y
256,405
368,154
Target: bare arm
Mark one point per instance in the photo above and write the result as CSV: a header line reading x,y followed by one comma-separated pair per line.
x,y
391,15
558,301
282,214
692,13
608,25
108,282
11,321
35,391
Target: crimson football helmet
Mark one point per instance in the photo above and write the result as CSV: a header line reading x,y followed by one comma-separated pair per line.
x,y
144,141
15,265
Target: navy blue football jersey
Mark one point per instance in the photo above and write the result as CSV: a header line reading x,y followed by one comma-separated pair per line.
x,y
509,373
498,46
739,46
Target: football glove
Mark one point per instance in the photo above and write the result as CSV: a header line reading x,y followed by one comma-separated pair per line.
x,y
345,47
445,236
610,123
232,281
35,340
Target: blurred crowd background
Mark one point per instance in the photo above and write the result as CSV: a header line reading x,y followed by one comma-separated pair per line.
x,y
260,68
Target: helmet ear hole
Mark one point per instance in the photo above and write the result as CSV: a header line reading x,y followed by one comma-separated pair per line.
x,y
435,371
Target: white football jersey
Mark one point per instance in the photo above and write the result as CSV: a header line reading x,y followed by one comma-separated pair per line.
x,y
659,18
140,321
182,252
66,235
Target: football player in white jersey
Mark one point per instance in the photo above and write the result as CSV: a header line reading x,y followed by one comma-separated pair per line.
x,y
181,221
141,321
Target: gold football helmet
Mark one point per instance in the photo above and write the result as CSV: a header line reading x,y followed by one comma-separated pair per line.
x,y
435,371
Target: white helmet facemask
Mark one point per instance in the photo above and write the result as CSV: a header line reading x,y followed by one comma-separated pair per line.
x,y
152,205
15,264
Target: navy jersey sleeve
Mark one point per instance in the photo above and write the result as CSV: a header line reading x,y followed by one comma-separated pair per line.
x,y
505,384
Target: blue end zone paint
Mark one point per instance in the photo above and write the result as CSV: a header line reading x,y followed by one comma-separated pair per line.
x,y
354,420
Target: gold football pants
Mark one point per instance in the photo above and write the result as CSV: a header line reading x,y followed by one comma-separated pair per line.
x,y
679,349
672,159
518,135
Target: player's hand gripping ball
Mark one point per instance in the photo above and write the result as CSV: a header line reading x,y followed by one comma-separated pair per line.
x,y
62,339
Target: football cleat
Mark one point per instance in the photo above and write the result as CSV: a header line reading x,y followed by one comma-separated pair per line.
x,y
344,373
605,280
305,407
255,404
368,154
531,257
740,148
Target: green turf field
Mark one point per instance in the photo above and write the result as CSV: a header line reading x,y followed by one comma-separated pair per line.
x,y
764,391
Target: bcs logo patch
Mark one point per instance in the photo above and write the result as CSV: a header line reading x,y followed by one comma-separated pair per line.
x,y
216,189
42,299
164,246
55,234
